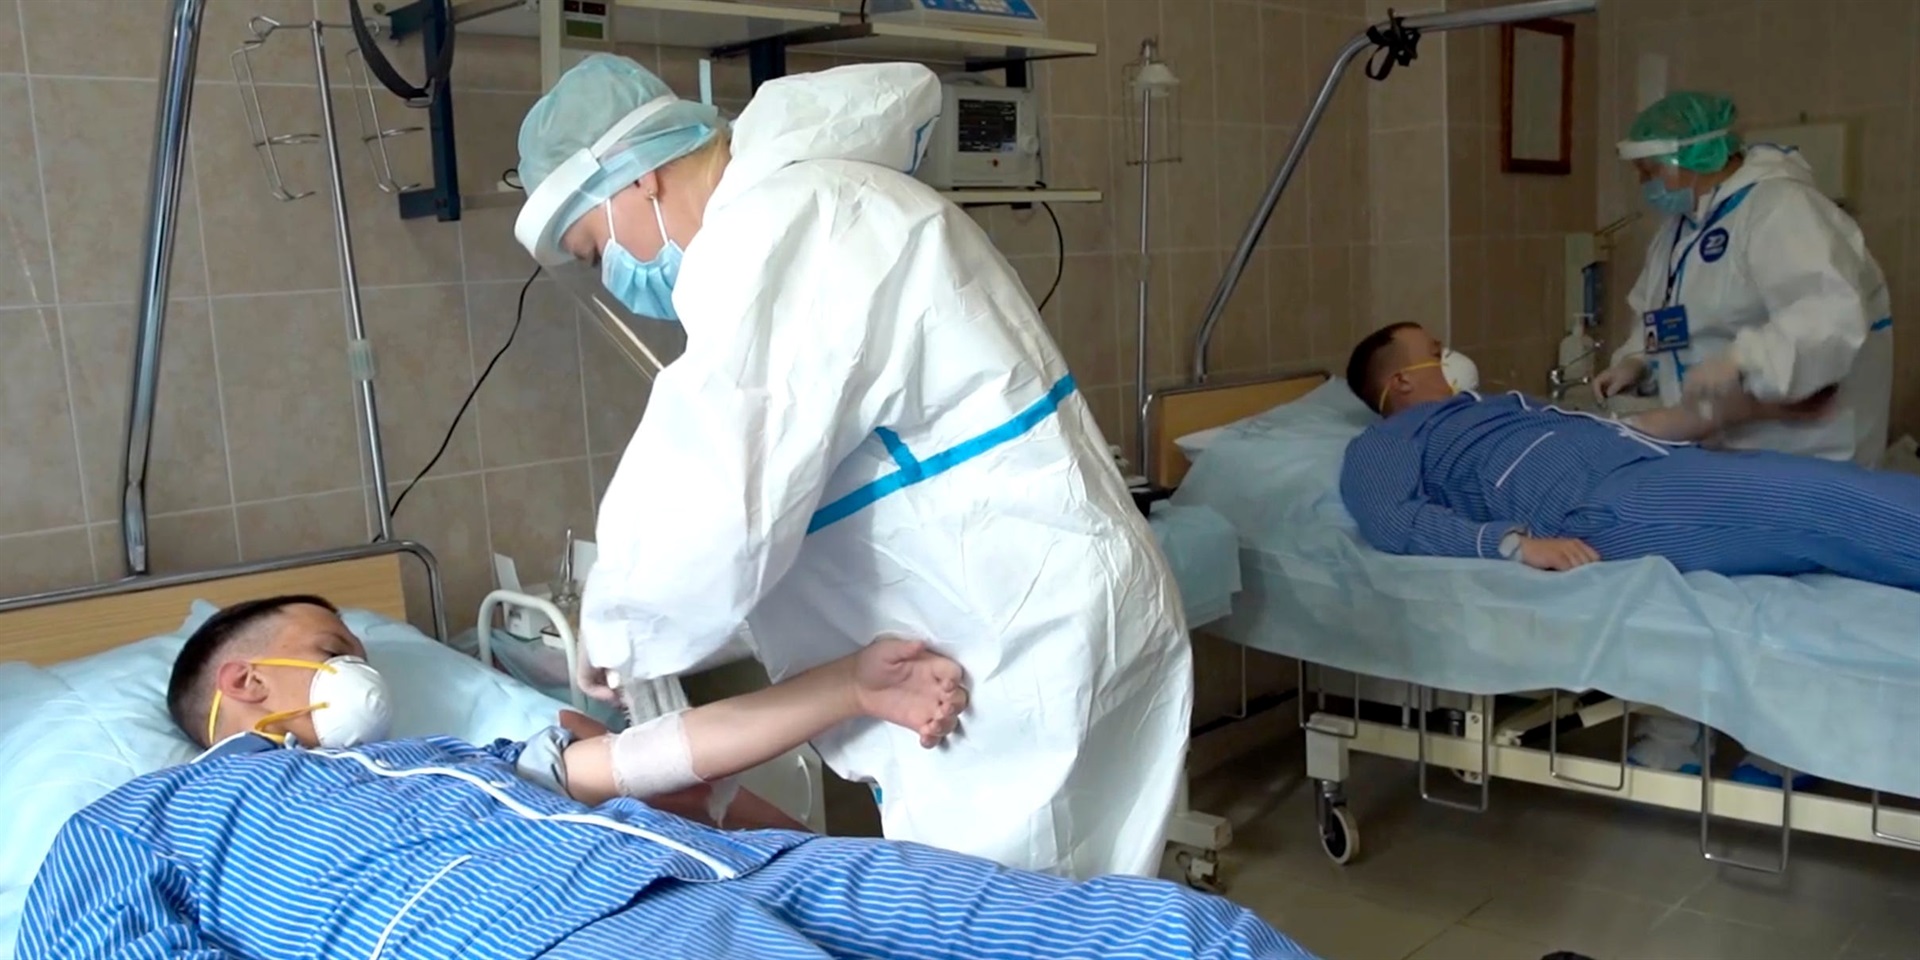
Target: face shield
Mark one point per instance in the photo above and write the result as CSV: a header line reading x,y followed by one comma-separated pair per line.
x,y
648,343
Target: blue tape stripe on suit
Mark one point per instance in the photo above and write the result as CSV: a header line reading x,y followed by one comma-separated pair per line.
x,y
1883,323
913,470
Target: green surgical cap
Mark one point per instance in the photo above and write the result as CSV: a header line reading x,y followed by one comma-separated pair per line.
x,y
586,102
1685,116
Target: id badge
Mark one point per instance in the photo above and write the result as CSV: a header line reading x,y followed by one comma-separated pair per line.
x,y
1666,329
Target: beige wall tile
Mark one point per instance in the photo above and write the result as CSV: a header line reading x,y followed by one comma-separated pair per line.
x,y
1186,34
496,64
278,528
1190,279
1467,181
1471,55
95,38
1332,316
1239,66
1410,171
449,516
38,562
488,248
1471,290
256,243
1193,189
387,249
531,509
423,371
616,391
530,409
1286,65
488,125
1242,340
1082,86
291,424
39,469
1289,303
1242,175
187,465
94,136
603,468
1410,283
1081,158
1084,319
13,56
176,543
26,267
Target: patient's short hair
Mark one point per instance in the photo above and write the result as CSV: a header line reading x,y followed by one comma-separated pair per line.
x,y
189,690
1366,366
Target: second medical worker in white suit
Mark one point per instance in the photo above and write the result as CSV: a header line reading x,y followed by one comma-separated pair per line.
x,y
869,431
1755,282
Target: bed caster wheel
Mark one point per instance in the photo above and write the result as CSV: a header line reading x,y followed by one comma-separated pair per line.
x,y
1339,835
1200,870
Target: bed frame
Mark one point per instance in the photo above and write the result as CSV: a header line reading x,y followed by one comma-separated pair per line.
x,y
1473,744
53,627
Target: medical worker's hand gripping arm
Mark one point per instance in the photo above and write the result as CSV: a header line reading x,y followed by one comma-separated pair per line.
x,y
1629,365
1810,276
102,895
895,680
1380,483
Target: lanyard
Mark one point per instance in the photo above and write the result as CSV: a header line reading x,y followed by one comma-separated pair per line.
x,y
1677,269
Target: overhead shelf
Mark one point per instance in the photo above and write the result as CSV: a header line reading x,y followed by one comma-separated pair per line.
x,y
733,25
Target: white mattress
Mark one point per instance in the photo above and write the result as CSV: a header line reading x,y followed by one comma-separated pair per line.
x,y
1816,672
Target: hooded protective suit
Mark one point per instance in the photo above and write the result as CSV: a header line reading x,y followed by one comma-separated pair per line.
x,y
870,431
1771,270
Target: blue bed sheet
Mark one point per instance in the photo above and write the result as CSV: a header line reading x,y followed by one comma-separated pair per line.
x,y
1816,672
1204,551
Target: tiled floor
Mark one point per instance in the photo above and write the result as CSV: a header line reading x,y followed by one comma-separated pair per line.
x,y
1543,870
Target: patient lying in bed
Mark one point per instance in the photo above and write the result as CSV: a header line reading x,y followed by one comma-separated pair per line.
x,y
264,847
1461,475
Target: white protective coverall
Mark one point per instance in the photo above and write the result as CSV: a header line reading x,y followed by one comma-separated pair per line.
x,y
870,431
1783,279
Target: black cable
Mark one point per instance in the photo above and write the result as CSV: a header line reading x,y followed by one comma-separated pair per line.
x,y
863,11
1398,46
511,177
519,314
1059,255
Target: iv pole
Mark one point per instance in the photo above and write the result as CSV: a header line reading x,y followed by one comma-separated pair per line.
x,y
1379,35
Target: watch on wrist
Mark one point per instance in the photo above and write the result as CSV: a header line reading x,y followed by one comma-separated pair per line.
x,y
1510,545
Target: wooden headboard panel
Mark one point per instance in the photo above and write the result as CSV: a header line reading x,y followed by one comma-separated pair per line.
x,y
88,625
1176,413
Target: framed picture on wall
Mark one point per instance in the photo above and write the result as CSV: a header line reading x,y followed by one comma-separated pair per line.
x,y
1536,97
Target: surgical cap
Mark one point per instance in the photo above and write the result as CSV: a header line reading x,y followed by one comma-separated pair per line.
x,y
1697,124
587,102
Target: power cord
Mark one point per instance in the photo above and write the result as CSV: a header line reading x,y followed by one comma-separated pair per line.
x,y
519,314
1059,255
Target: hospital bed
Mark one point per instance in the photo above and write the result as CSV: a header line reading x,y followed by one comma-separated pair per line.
x,y
1475,670
83,686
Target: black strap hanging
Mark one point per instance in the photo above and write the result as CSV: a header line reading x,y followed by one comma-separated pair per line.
x,y
438,70
1399,45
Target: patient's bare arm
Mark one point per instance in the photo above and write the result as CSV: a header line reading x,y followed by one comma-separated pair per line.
x,y
1687,425
899,681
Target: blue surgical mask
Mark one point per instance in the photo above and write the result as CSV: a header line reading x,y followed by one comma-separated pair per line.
x,y
646,288
1674,201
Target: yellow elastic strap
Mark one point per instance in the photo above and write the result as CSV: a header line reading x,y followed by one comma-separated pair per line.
x,y
213,712
1382,405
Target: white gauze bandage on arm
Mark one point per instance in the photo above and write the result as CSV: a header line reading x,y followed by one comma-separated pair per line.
x,y
653,758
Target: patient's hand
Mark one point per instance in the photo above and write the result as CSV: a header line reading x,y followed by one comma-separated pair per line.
x,y
1557,553
904,683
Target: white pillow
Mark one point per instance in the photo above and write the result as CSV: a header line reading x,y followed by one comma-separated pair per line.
x,y
1195,444
100,721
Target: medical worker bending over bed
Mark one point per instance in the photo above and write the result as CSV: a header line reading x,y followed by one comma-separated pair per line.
x,y
869,432
298,834
1755,284
1453,474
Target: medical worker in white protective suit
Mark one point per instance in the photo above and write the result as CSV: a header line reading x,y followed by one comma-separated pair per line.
x,y
869,431
1756,282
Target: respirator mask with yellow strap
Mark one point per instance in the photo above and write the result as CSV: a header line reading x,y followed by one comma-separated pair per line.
x,y
348,702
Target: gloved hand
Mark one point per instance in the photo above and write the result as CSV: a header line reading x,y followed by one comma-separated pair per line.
x,y
595,681
1620,377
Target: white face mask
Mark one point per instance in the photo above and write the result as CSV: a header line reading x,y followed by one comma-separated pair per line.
x,y
348,702
1460,371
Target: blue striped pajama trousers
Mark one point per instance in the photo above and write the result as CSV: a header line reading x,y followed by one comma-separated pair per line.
x,y
1758,513
846,898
